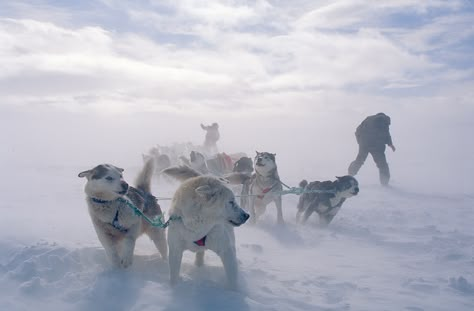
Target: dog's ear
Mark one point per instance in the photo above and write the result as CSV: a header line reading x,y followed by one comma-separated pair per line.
x,y
274,154
119,169
257,152
85,174
205,190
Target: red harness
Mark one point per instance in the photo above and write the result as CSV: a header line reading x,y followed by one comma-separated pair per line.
x,y
264,191
201,242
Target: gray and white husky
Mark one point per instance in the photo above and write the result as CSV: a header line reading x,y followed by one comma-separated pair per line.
x,y
117,226
265,187
326,199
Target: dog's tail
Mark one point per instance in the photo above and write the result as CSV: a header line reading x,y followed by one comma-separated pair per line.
x,y
143,180
185,160
303,183
181,172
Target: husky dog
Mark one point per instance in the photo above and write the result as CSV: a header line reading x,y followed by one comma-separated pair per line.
x,y
117,226
205,213
243,165
220,164
328,201
265,187
161,160
197,161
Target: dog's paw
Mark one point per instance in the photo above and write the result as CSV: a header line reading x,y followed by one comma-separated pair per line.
x,y
126,262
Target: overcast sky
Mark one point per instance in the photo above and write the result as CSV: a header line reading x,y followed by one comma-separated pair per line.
x,y
125,66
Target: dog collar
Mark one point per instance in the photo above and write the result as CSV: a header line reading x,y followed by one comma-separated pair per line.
x,y
99,201
201,242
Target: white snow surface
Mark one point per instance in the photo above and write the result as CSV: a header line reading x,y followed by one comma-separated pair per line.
x,y
396,248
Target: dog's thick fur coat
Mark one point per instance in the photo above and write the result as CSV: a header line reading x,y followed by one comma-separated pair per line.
x,y
116,224
207,214
265,187
326,204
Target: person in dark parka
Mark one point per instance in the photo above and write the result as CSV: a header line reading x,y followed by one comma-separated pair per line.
x,y
372,135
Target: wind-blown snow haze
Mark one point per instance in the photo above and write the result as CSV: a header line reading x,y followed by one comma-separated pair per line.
x,y
104,81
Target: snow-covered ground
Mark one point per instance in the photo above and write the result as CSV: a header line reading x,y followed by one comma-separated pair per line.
x,y
87,82
397,248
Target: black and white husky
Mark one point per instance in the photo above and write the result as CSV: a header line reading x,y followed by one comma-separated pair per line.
x,y
325,198
117,225
265,187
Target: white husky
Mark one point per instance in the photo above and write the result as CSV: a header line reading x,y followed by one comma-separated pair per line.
x,y
110,199
205,213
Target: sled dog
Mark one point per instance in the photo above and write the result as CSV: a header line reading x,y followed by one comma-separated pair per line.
x,y
109,197
161,160
206,213
328,202
265,187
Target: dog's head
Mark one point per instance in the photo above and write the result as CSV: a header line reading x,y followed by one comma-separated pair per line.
x,y
198,161
163,161
105,182
197,158
213,203
243,165
348,185
265,162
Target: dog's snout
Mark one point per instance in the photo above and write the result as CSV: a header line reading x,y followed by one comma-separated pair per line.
x,y
245,217
124,185
356,189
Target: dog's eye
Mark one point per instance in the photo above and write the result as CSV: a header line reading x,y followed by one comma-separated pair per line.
x,y
109,178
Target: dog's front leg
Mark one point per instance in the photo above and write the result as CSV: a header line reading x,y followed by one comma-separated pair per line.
x,y
244,195
199,260
174,261
253,216
111,251
300,208
298,216
307,213
325,219
229,260
128,246
158,236
278,204
110,246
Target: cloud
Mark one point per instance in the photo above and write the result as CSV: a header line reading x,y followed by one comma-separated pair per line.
x,y
188,57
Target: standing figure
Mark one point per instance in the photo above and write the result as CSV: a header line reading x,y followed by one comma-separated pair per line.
x,y
212,136
372,135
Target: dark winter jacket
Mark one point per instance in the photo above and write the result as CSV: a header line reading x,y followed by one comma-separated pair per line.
x,y
374,131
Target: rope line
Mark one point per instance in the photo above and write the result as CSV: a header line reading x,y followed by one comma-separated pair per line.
x,y
157,221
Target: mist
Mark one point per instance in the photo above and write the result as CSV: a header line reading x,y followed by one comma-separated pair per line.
x,y
311,144
91,82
